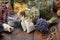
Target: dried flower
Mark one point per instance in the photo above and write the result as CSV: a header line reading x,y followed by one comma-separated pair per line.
x,y
42,25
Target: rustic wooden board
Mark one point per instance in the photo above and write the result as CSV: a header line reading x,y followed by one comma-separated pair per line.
x,y
58,35
19,34
6,37
58,25
39,36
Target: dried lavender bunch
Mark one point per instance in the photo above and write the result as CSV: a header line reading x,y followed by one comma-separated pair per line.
x,y
42,25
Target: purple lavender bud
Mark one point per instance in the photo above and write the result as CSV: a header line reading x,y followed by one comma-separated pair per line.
x,y
42,25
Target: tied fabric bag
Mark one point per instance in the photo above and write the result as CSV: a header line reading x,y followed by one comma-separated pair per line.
x,y
7,27
23,24
30,27
3,13
42,25
27,25
14,20
11,20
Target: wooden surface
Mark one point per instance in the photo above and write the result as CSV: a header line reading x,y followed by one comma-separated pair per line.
x,y
21,35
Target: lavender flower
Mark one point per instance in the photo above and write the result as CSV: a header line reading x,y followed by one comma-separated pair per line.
x,y
42,25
